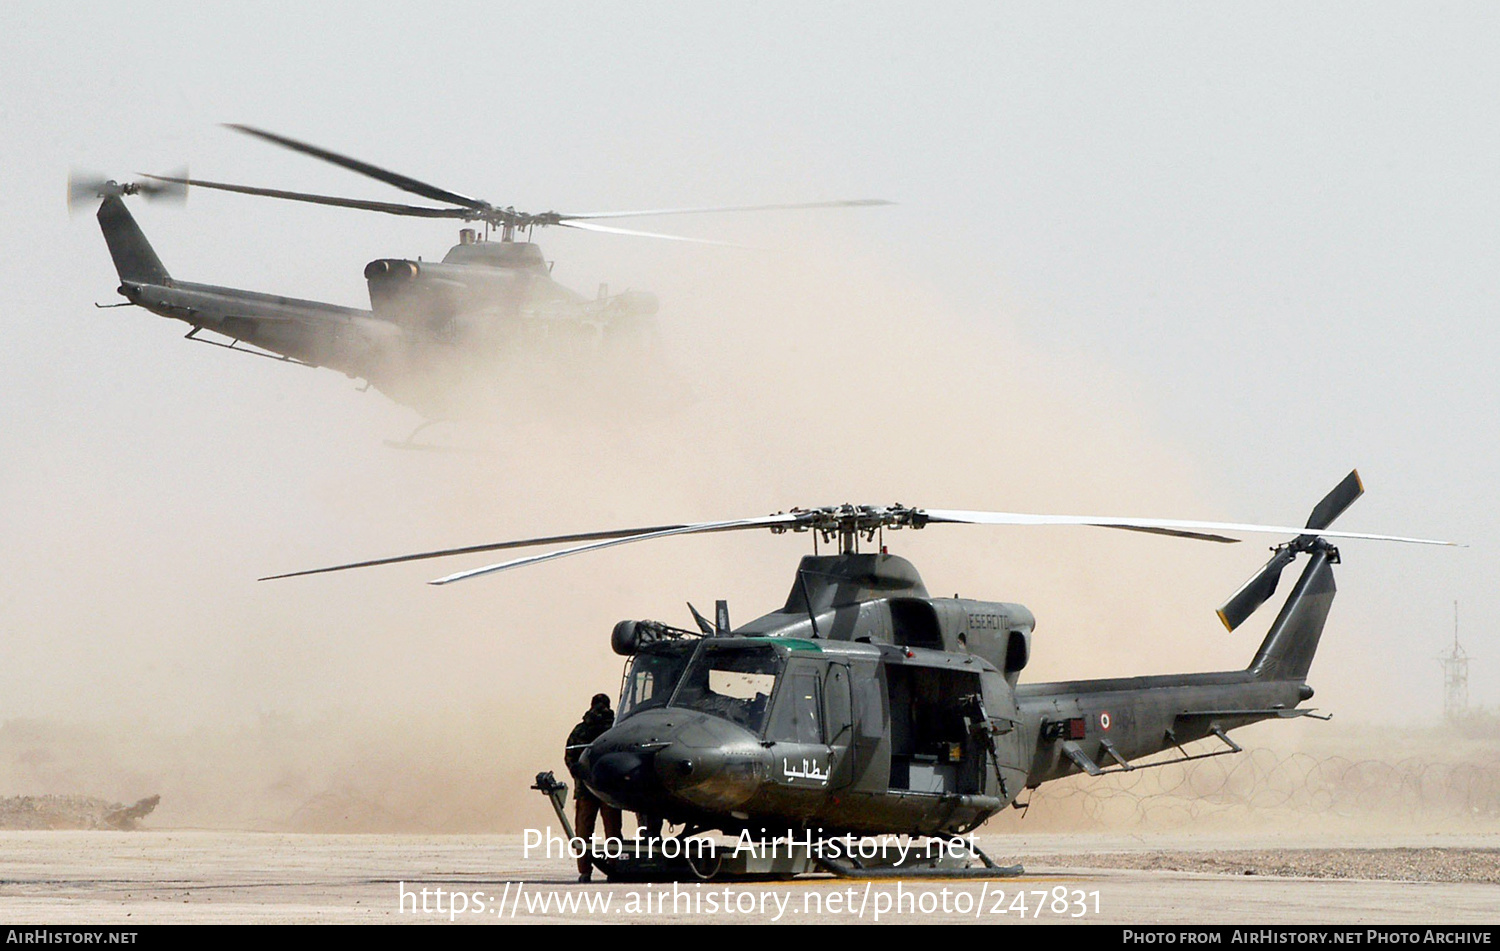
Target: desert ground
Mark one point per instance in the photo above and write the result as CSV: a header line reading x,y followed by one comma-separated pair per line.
x,y
1364,826
104,877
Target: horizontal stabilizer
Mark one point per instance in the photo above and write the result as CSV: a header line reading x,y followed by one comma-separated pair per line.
x,y
1282,713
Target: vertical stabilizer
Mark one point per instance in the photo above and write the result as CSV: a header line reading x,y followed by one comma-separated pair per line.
x,y
1287,652
134,259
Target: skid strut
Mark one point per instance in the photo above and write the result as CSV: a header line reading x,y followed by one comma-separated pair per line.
x,y
687,858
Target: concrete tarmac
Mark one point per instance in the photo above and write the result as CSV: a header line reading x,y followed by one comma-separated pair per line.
x,y
149,877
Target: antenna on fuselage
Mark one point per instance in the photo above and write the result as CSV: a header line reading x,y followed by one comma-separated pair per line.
x,y
807,600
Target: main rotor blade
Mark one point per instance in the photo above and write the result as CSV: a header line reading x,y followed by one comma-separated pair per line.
x,y
764,521
848,203
1205,531
402,182
649,234
173,188
475,549
1336,502
390,208
623,534
1255,592
851,518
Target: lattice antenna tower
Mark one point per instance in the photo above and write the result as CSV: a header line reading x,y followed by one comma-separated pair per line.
x,y
1455,676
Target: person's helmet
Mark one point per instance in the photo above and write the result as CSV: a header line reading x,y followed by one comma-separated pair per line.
x,y
601,700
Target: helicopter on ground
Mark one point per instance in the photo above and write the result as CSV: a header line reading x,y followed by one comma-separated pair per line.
x,y
864,706
431,325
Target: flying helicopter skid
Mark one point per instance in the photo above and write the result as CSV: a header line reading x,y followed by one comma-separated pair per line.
x,y
439,336
865,707
410,443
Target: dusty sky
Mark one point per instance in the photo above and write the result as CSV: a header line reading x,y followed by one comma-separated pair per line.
x,y
1173,259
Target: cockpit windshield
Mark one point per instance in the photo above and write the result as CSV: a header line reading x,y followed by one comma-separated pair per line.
x,y
735,683
652,677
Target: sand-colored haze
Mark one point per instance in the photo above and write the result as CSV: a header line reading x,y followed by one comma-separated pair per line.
x,y
146,660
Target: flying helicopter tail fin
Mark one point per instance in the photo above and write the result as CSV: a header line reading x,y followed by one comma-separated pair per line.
x,y
1287,652
134,258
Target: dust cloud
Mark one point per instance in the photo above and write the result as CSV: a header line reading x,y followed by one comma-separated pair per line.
x,y
144,659
1332,779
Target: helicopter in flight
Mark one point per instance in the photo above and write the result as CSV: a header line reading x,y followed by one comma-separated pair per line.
x,y
866,707
437,334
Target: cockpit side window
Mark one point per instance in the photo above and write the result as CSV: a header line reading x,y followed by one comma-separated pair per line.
x,y
650,680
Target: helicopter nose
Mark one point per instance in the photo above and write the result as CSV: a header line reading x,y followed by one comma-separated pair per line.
x,y
679,768
712,778
624,776
661,758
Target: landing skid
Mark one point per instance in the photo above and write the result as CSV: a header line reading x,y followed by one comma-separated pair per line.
x,y
680,860
410,443
684,859
933,860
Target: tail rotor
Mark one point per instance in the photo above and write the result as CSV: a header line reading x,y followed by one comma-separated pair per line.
x,y
1262,585
87,187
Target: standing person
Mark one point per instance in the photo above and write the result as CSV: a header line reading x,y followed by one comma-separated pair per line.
x,y
586,806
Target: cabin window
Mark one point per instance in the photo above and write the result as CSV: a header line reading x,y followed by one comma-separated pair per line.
x,y
840,713
798,717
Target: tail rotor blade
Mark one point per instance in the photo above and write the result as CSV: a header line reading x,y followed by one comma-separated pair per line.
x,y
1335,502
84,187
1256,591
88,187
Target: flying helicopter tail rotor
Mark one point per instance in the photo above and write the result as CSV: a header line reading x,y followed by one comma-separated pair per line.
x,y
87,187
84,187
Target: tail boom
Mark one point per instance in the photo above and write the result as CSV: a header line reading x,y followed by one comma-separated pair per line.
x,y
1081,726
1087,725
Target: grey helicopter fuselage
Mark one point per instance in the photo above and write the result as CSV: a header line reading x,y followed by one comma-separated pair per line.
x,y
866,706
445,338
430,324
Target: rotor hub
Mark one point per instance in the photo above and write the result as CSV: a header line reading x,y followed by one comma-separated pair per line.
x,y
849,523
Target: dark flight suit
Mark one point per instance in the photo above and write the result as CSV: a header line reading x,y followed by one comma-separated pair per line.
x,y
586,806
